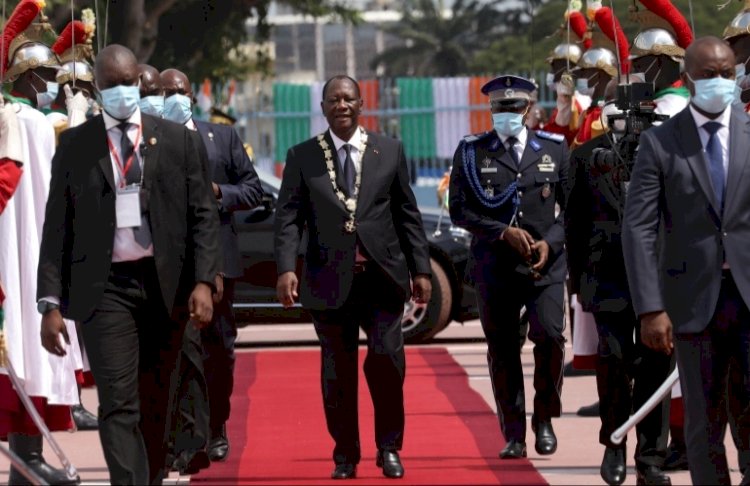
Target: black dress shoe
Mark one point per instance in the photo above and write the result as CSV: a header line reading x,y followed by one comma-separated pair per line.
x,y
546,442
218,445
47,473
651,476
676,459
515,449
391,464
589,410
344,471
191,462
84,419
569,370
613,466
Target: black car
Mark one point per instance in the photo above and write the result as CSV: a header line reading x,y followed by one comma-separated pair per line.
x,y
255,299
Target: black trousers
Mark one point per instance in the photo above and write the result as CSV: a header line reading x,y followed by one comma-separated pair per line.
x,y
500,304
191,426
376,307
218,357
704,361
132,345
622,360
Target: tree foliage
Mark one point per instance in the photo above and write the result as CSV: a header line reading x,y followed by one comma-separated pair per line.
x,y
199,37
436,44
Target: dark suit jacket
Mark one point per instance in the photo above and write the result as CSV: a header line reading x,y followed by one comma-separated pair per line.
x,y
79,226
536,213
230,167
593,236
389,226
671,186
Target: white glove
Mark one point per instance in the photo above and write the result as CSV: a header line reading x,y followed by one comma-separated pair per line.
x,y
564,109
10,133
77,106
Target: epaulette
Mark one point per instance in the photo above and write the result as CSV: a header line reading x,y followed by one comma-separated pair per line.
x,y
555,137
475,137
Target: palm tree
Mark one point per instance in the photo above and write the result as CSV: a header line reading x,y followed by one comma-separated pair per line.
x,y
437,43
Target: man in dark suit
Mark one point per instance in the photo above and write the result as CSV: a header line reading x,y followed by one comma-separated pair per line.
x,y
236,187
685,235
593,226
504,187
130,249
366,245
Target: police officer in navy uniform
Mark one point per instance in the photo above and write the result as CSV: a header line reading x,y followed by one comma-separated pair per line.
x,y
504,188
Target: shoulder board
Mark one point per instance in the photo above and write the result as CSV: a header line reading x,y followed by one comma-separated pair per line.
x,y
555,137
475,137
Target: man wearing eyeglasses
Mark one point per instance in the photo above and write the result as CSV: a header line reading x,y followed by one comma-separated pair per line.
x,y
505,185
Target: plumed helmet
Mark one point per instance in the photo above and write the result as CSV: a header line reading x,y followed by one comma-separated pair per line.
x,y
24,42
75,51
740,24
664,30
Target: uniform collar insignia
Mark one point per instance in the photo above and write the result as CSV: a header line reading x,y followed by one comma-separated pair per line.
x,y
535,145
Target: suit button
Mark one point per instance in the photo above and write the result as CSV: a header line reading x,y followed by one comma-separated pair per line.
x,y
520,193
518,176
724,233
520,214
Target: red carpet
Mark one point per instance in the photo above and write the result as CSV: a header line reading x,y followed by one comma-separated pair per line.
x,y
278,433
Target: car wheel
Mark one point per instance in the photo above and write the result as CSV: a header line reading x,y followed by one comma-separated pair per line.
x,y
421,322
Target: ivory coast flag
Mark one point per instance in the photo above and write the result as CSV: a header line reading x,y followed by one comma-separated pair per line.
x,y
429,115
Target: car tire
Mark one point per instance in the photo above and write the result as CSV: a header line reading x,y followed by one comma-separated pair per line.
x,y
428,320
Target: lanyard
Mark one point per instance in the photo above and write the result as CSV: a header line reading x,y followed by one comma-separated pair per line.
x,y
128,163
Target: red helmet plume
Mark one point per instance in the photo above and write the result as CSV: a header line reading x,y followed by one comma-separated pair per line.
x,y
609,24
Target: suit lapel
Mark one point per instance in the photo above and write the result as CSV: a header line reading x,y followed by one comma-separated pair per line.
x,y
498,152
152,142
369,163
689,140
335,159
209,140
102,151
739,134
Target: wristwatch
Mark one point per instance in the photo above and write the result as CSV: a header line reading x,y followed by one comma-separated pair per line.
x,y
45,306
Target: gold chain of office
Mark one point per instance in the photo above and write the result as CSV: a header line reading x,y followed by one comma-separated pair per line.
x,y
351,203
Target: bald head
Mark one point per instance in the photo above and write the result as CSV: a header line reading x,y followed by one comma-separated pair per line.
x,y
711,50
175,82
115,65
150,81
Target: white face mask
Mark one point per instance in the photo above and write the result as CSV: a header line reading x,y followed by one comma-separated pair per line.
x,y
550,81
612,109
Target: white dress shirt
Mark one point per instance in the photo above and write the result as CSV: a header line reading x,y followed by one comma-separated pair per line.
x,y
354,142
722,133
520,145
125,247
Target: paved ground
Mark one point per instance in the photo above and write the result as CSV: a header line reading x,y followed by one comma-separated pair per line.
x,y
576,462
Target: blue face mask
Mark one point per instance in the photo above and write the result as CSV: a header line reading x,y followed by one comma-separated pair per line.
x,y
178,108
508,124
120,101
713,95
152,105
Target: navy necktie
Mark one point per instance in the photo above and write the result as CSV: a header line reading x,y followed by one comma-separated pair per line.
x,y
349,171
512,141
715,161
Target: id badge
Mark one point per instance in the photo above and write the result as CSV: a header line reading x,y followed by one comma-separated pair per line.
x,y
128,207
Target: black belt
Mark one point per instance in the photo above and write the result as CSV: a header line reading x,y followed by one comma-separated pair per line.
x,y
133,267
